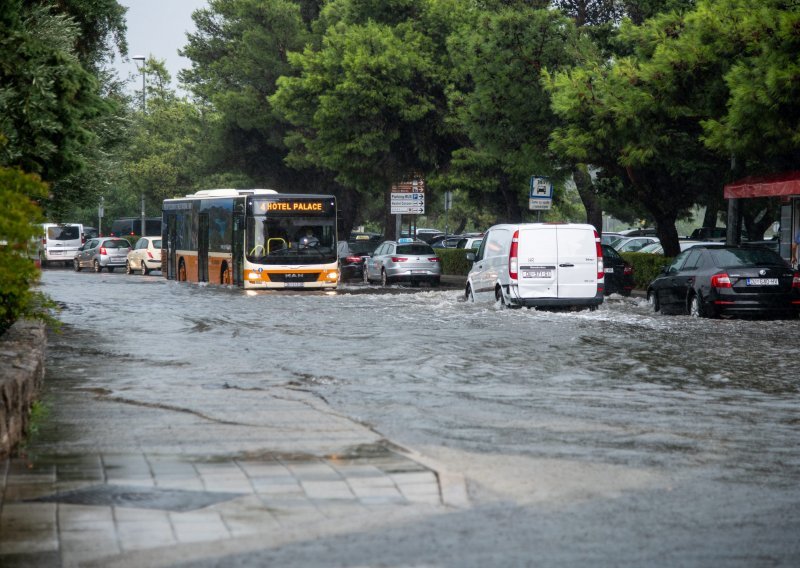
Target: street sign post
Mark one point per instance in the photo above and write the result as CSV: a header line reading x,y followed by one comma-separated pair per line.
x,y
540,197
408,197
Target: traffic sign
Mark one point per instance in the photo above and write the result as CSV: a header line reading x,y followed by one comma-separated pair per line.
x,y
408,197
540,197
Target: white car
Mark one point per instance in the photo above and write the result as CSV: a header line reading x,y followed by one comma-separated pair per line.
x,y
145,256
538,265
633,244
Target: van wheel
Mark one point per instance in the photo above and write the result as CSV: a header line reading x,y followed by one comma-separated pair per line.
x,y
468,296
498,296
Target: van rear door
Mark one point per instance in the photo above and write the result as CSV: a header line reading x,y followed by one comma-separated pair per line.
x,y
577,262
537,255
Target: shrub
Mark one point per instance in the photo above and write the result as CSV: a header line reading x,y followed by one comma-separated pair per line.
x,y
454,261
645,267
18,194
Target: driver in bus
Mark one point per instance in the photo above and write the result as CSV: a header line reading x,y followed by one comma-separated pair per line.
x,y
308,240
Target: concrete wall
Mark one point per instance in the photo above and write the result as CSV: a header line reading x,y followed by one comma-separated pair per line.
x,y
22,351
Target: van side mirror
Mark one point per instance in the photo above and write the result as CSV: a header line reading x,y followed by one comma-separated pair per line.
x,y
470,256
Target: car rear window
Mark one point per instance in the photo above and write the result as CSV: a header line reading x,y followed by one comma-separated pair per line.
x,y
116,243
63,233
414,249
362,247
157,243
730,258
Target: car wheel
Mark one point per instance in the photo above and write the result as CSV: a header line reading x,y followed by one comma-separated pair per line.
x,y
128,267
96,266
145,270
384,278
652,299
76,265
697,309
365,275
468,296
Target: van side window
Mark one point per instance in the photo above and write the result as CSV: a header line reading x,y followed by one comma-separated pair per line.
x,y
496,243
482,248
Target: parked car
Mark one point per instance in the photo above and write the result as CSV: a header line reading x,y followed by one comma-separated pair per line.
x,y
443,241
351,257
145,256
643,232
709,234
538,265
772,244
427,235
657,248
58,242
100,253
618,273
469,243
633,244
90,233
405,260
713,280
609,238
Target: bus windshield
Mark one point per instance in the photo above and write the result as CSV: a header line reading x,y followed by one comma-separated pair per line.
x,y
290,240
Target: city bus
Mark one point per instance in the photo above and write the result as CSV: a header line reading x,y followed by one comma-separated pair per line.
x,y
251,238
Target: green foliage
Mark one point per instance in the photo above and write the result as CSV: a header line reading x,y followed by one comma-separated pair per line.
x,y
646,267
454,261
18,194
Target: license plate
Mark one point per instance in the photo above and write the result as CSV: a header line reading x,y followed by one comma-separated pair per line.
x,y
762,281
294,284
419,272
537,274
609,271
55,252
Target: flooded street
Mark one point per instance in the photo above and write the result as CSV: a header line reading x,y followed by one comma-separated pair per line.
x,y
617,434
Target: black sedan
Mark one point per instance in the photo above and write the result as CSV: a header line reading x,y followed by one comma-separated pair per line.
x,y
710,280
618,273
351,257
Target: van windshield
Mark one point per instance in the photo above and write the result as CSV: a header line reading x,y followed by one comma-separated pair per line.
x,y
66,233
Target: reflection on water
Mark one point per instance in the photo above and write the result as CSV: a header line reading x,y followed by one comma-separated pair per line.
x,y
620,384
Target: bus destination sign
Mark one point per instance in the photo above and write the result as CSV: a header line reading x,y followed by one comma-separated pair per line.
x,y
292,207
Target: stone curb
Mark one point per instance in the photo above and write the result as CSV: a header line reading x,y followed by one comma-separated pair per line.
x,y
22,352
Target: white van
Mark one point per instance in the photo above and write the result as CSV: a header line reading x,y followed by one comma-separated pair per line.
x,y
538,265
59,242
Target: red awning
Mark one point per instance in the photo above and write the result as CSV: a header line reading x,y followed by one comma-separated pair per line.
x,y
775,185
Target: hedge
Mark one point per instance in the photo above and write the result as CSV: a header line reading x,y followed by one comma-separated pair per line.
x,y
454,261
646,267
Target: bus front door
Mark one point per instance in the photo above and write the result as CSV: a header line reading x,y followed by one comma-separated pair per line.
x,y
172,256
202,248
237,250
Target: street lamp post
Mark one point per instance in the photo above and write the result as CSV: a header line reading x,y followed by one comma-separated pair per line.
x,y
144,109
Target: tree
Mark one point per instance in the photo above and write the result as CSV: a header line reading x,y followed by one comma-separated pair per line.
x,y
641,115
368,103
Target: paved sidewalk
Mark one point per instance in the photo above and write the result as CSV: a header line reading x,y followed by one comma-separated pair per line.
x,y
146,478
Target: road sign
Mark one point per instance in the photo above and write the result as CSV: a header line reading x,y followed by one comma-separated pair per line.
x,y
540,197
408,197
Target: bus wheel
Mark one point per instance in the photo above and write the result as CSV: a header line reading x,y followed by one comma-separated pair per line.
x,y
225,274
181,272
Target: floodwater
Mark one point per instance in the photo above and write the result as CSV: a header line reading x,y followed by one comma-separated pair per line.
x,y
552,408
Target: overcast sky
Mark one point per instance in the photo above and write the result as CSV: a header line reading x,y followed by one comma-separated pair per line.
x,y
157,28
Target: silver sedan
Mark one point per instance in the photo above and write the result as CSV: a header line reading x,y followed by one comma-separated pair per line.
x,y
405,260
